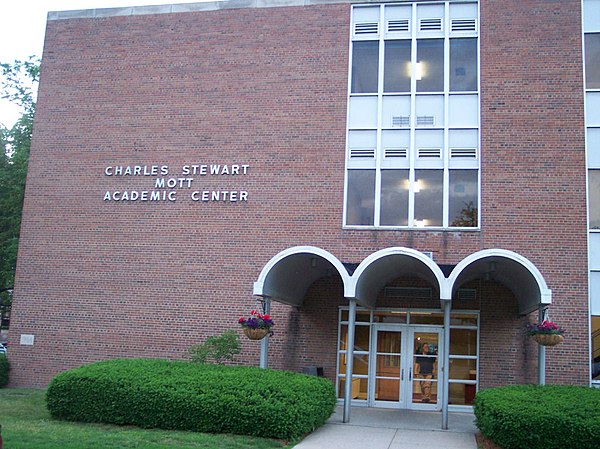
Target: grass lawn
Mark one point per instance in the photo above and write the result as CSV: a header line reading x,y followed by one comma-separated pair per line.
x,y
26,424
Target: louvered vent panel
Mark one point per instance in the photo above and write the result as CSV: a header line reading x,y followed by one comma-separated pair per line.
x,y
430,25
399,121
408,292
398,26
430,153
396,152
463,153
425,120
467,294
356,153
463,25
366,28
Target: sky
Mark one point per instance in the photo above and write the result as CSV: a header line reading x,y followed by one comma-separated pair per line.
x,y
23,25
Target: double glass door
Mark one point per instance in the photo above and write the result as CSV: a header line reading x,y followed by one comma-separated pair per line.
x,y
404,367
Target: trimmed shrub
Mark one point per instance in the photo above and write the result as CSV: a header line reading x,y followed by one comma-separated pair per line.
x,y
189,396
218,348
540,417
4,368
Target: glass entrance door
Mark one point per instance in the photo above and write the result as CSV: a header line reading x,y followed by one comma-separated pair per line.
x,y
404,366
425,351
387,389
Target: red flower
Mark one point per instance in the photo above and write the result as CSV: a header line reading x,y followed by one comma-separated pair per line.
x,y
253,312
241,320
266,317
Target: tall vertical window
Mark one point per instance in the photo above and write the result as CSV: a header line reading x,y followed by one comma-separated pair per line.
x,y
413,116
591,30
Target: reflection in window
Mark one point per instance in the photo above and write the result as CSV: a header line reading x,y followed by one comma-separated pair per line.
x,y
394,198
463,342
592,61
361,197
428,189
396,77
463,64
429,69
463,198
361,337
594,198
365,66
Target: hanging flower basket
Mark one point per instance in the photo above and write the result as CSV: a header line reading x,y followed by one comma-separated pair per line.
x,y
546,333
255,334
548,339
257,326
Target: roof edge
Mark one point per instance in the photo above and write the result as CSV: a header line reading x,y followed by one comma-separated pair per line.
x,y
184,7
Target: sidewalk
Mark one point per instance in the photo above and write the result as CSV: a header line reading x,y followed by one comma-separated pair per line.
x,y
393,429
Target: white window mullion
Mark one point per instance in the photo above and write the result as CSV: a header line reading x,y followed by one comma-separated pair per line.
x,y
446,156
378,153
412,147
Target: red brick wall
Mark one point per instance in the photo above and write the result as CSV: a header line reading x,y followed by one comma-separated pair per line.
x,y
533,158
267,87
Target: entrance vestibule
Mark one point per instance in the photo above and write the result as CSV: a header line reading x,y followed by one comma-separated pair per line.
x,y
398,363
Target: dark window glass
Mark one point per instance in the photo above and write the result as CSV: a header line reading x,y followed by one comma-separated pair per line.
x,y
365,65
463,64
396,77
429,71
594,195
592,61
361,197
429,207
394,198
463,198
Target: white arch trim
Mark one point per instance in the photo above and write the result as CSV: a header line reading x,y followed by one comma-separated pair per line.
x,y
545,292
259,284
445,294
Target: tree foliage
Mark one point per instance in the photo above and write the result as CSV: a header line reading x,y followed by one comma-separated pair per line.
x,y
18,83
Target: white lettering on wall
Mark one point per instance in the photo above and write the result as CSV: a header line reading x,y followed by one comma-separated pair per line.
x,y
164,188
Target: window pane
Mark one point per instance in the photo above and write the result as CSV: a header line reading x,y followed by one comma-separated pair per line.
x,y
365,65
592,61
359,366
463,198
461,394
389,317
463,369
594,194
361,197
463,64
396,77
463,342
459,319
359,388
596,347
429,71
428,197
394,198
361,337
361,316
426,318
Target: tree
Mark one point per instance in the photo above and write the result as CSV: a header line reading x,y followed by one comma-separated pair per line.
x,y
18,82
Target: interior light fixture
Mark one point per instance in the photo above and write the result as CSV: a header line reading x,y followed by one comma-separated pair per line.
x,y
419,71
420,223
417,186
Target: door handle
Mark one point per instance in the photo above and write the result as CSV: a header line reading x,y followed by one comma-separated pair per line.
x,y
402,374
410,374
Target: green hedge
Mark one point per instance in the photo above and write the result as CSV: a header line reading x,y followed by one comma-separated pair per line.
x,y
188,396
540,417
4,368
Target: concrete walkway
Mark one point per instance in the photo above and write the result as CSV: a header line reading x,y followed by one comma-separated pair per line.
x,y
393,429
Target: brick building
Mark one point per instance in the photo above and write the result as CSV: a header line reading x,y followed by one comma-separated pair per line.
x,y
392,174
